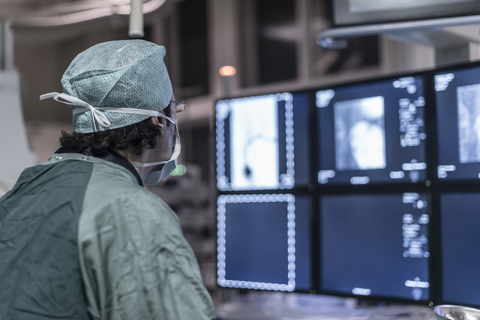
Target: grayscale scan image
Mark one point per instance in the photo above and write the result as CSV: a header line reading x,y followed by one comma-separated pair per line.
x,y
254,143
360,134
468,101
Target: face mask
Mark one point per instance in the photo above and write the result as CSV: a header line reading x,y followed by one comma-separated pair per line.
x,y
155,177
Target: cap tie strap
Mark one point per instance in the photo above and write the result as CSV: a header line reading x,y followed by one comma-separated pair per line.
x,y
97,116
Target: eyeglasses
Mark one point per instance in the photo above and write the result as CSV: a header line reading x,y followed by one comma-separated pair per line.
x,y
179,106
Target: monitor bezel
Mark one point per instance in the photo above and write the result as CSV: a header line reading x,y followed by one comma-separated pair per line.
x,y
438,182
310,174
332,11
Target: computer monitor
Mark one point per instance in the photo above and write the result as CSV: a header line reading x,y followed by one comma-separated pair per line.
x,y
372,132
264,242
262,142
357,12
460,248
375,245
457,94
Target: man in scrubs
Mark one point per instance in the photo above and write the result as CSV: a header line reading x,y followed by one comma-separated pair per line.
x,y
80,237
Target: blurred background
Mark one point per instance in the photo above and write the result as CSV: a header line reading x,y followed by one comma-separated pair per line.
x,y
272,45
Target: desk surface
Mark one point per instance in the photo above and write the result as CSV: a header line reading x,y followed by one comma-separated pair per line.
x,y
291,306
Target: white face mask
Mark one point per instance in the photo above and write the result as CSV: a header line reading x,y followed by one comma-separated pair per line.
x,y
169,165
155,176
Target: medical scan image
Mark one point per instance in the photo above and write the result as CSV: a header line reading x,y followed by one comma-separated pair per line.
x,y
360,134
457,106
262,142
254,143
468,101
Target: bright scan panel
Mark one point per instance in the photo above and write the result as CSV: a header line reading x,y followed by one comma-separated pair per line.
x,y
360,134
263,142
254,143
458,124
468,102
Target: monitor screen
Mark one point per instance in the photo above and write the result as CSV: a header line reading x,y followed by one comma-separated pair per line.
x,y
372,132
262,142
458,124
460,243
264,242
355,12
375,245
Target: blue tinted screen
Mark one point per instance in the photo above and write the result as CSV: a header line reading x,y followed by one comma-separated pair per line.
x,y
375,245
460,241
264,242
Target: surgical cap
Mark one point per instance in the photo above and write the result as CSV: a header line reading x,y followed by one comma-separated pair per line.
x,y
118,74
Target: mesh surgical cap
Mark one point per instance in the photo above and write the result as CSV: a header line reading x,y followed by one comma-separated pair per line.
x,y
118,74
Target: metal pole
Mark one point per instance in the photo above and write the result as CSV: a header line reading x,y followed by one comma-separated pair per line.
x,y
136,19
6,46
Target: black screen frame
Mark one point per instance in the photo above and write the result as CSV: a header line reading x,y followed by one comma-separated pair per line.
x,y
442,183
431,246
225,158
340,7
428,142
438,229
441,186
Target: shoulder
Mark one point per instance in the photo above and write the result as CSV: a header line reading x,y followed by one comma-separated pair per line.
x,y
114,203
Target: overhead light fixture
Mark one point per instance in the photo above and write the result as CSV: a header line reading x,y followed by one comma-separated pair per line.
x,y
81,11
136,19
227,71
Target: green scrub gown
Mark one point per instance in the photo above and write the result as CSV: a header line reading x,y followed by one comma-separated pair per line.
x,y
81,239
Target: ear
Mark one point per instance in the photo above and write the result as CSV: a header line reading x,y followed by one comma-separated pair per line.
x,y
157,122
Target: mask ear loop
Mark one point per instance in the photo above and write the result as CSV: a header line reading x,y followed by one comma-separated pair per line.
x,y
175,153
161,125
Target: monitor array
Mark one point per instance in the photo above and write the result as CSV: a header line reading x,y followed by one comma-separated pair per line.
x,y
366,189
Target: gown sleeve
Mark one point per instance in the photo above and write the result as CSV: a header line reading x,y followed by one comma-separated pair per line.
x,y
136,264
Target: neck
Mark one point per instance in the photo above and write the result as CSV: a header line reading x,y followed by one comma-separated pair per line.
x,y
142,158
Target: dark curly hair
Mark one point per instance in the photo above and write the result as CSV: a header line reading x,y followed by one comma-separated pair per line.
x,y
135,137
